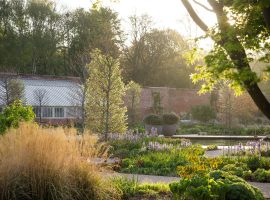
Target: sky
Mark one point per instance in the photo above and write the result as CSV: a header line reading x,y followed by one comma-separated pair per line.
x,y
165,14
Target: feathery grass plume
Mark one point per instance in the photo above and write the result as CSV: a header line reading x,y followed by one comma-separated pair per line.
x,y
50,164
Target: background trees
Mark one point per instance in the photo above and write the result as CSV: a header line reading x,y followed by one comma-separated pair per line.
x,y
156,57
37,38
10,90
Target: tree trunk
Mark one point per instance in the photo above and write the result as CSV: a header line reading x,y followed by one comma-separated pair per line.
x,y
266,15
237,54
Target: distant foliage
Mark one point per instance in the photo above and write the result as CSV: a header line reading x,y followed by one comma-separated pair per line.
x,y
14,114
11,90
203,113
37,37
133,98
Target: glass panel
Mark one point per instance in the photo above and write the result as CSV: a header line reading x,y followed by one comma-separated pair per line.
x,y
36,111
73,112
59,112
47,112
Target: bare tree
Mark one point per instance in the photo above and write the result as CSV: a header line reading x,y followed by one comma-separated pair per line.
x,y
41,98
77,99
11,89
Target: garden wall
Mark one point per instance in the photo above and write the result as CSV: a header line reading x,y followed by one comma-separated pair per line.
x,y
171,99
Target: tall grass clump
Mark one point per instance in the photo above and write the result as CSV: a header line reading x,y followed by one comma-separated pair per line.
x,y
50,164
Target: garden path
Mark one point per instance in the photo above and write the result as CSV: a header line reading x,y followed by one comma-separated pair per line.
x,y
264,187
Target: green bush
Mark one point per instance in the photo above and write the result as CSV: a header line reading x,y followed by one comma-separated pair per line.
x,y
253,163
139,127
125,148
14,114
235,169
170,118
131,189
153,119
216,185
247,175
163,163
203,113
261,175
126,186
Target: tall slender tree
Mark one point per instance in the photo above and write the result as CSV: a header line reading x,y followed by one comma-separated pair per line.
x,y
106,112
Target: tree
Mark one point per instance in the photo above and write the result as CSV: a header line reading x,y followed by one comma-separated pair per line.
x,y
78,100
133,100
156,57
37,38
10,90
231,107
225,105
242,31
41,98
105,90
14,114
203,113
89,30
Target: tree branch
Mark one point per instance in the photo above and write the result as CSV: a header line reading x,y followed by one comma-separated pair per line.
x,y
194,15
203,6
237,54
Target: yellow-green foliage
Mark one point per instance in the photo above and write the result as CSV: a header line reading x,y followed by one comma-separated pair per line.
x,y
106,112
49,164
197,165
14,114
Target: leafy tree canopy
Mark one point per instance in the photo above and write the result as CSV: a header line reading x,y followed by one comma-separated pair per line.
x,y
241,36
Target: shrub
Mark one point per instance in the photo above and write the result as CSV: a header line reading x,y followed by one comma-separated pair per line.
x,y
247,175
153,119
253,163
216,185
131,189
14,114
261,175
126,186
203,113
212,147
38,163
170,118
235,169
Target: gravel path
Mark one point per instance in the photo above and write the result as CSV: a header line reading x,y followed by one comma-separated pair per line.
x,y
264,187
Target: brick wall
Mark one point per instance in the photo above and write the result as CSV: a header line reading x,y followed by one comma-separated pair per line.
x,y
172,99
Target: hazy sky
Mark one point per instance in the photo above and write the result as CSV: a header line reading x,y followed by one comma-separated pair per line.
x,y
165,14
